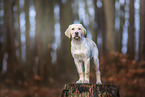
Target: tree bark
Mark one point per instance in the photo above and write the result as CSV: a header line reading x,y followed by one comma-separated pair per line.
x,y
96,22
101,25
10,45
142,31
91,22
90,90
47,36
64,54
119,31
37,34
18,32
44,35
109,16
131,30
2,41
28,50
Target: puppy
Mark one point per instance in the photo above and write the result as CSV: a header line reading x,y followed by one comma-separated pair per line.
x,y
82,50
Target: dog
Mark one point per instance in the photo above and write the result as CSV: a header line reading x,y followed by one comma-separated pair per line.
x,y
82,50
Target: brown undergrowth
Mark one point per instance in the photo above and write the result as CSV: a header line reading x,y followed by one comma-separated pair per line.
x,y
128,75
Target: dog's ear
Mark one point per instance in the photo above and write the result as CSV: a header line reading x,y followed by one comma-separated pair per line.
x,y
67,32
84,33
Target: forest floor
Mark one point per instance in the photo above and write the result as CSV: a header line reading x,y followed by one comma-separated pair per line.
x,y
117,69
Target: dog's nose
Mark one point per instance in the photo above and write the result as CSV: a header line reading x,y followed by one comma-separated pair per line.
x,y
76,33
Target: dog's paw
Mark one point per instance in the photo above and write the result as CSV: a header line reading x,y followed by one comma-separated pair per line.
x,y
79,81
99,82
86,81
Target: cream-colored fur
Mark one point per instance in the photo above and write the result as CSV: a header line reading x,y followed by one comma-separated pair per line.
x,y
83,49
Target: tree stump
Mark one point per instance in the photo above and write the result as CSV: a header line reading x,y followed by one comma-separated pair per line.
x,y
89,90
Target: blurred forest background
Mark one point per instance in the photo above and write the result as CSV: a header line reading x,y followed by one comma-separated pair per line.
x,y
34,49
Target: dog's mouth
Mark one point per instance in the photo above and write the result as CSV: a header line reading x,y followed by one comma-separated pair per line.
x,y
76,37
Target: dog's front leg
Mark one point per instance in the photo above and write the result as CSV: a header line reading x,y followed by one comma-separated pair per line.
x,y
87,70
79,66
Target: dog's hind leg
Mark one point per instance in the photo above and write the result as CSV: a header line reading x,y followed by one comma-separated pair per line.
x,y
98,75
96,62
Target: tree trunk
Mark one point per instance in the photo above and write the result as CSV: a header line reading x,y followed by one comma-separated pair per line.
x,y
2,51
131,30
91,22
28,50
142,31
2,41
119,30
18,32
44,35
109,16
90,90
47,36
10,45
96,22
64,54
100,21
37,33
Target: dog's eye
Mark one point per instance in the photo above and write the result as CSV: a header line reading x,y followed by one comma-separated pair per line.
x,y
72,28
79,28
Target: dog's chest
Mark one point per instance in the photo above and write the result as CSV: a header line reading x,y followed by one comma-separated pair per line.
x,y
79,52
79,56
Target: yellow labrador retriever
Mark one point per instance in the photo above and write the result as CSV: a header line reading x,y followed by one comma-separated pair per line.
x,y
83,49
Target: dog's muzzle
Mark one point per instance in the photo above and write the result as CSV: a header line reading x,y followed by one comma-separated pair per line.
x,y
77,36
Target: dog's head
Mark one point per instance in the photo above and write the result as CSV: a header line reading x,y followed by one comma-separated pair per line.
x,y
75,31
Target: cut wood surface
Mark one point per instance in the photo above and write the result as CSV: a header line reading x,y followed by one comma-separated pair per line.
x,y
90,90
